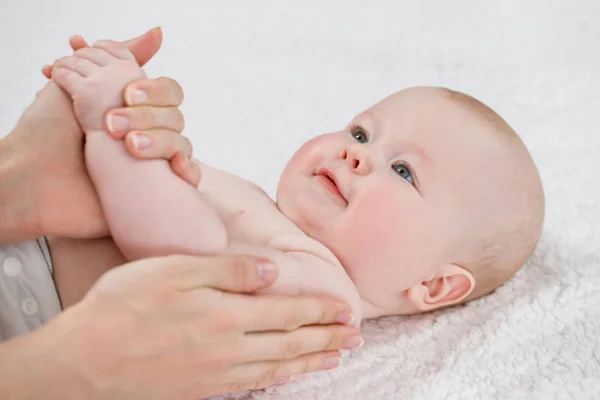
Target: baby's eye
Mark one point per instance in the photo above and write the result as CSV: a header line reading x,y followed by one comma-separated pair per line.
x,y
404,172
359,135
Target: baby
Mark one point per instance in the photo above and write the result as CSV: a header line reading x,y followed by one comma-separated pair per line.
x,y
425,200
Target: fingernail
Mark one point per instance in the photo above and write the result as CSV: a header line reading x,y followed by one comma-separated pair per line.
x,y
135,96
344,318
117,123
141,141
266,270
354,342
283,379
331,362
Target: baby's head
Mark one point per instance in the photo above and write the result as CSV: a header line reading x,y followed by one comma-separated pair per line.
x,y
428,199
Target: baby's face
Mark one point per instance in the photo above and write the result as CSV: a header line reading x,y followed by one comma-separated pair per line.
x,y
387,193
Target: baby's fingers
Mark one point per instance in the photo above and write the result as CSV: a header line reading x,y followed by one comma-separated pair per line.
x,y
76,42
67,79
97,56
82,66
116,49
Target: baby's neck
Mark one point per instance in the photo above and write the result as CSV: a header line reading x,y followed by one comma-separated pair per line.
x,y
369,310
403,307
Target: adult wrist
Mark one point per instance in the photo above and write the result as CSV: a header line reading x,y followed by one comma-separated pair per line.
x,y
52,362
28,370
17,207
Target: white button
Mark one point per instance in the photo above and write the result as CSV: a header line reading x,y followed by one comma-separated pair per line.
x,y
30,307
12,266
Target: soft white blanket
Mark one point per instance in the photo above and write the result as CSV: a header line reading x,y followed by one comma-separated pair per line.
x,y
262,77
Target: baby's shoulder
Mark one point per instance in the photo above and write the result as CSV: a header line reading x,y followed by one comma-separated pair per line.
x,y
232,194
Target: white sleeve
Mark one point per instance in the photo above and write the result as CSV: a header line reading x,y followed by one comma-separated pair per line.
x,y
28,295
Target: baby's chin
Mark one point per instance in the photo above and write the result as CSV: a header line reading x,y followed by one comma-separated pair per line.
x,y
300,213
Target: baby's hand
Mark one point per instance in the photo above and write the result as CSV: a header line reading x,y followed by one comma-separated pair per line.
x,y
95,78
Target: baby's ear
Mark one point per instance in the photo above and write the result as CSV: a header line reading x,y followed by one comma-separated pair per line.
x,y
451,285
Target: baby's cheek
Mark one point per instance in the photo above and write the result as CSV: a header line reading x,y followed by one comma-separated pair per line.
x,y
317,145
310,155
379,218
371,229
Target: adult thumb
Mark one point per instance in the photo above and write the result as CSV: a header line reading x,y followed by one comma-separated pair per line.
x,y
145,46
231,273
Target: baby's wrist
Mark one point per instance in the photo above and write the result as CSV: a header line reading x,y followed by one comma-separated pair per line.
x,y
100,131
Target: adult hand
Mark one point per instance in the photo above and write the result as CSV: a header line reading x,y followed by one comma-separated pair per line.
x,y
180,327
46,189
151,122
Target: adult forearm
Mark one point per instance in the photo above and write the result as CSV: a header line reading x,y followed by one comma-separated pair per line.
x,y
17,210
27,371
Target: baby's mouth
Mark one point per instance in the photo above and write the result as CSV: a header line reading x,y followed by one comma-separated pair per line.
x,y
328,179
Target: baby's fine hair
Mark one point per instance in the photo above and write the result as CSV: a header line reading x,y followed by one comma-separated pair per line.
x,y
496,257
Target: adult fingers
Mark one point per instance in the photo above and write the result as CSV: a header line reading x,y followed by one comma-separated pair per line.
x,y
237,273
162,92
273,346
145,46
157,143
167,145
262,374
287,313
186,169
122,120
77,42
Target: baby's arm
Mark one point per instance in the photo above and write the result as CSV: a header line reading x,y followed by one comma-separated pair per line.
x,y
131,190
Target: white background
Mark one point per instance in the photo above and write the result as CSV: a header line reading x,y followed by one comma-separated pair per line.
x,y
261,77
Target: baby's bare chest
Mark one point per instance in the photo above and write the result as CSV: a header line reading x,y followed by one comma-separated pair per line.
x,y
255,226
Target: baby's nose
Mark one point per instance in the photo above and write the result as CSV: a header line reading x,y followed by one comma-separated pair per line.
x,y
358,159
